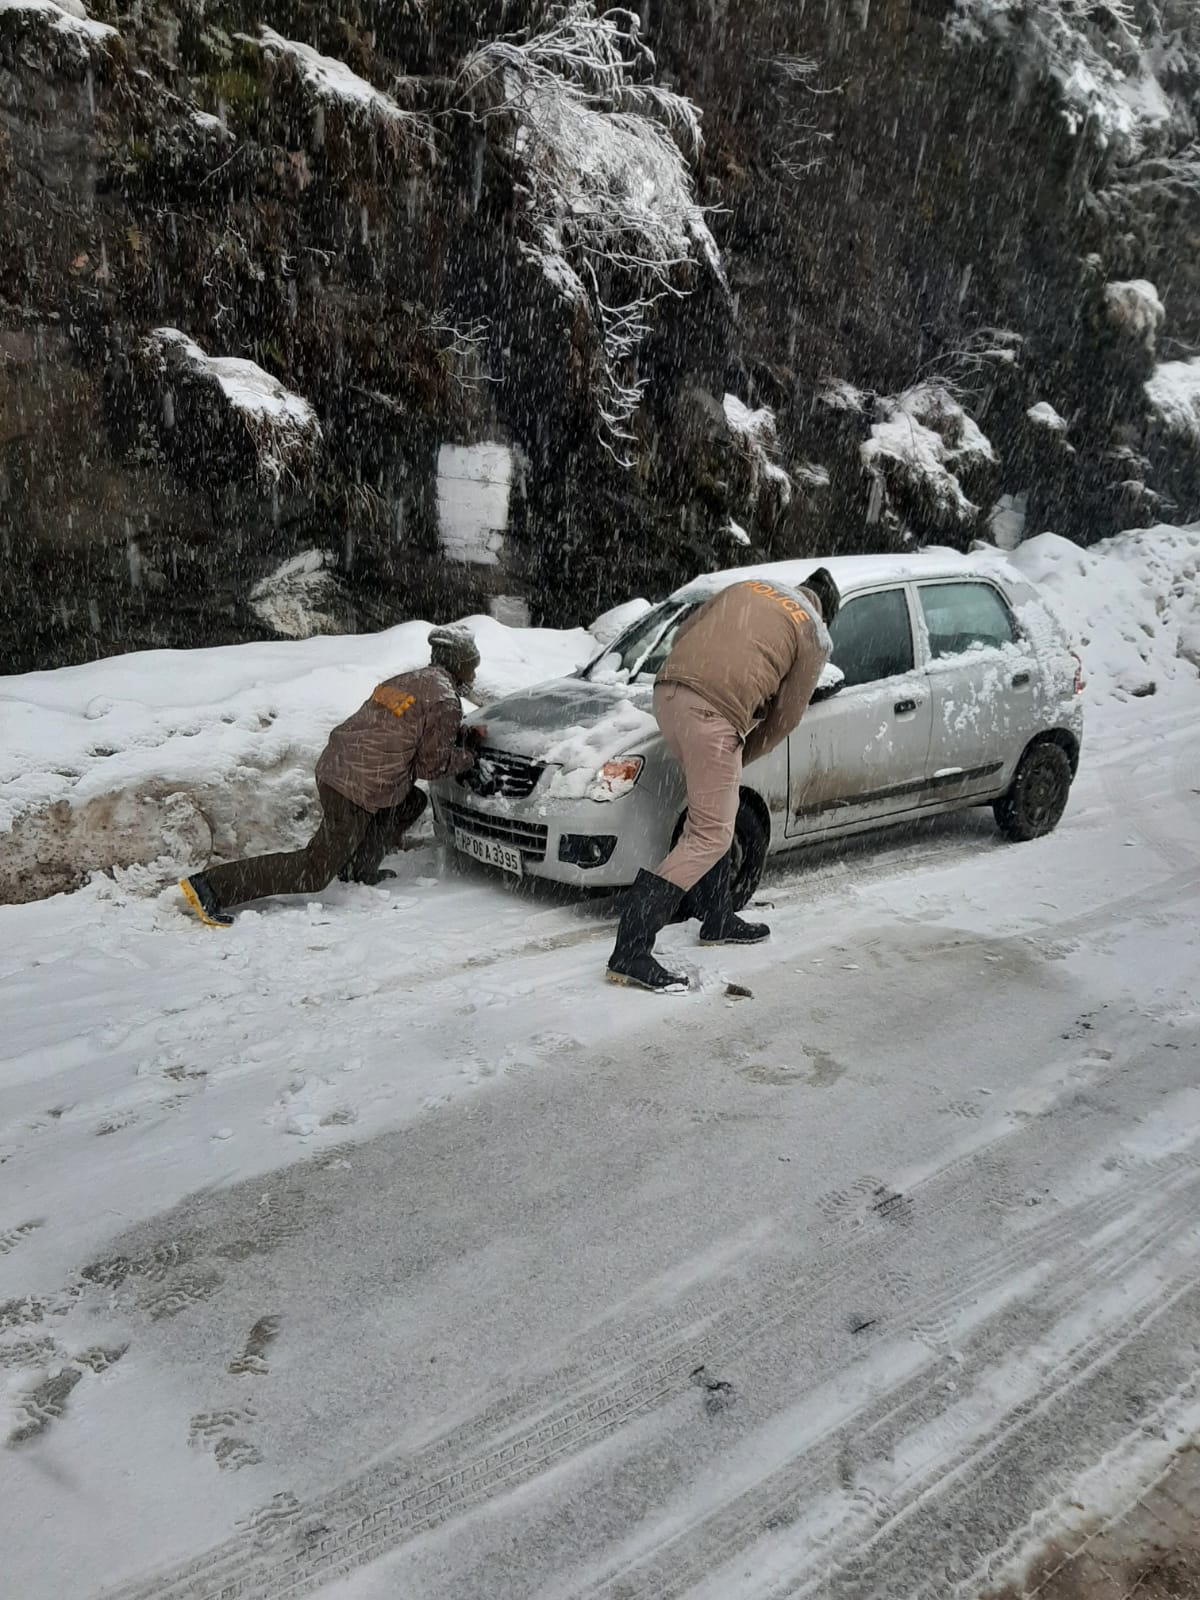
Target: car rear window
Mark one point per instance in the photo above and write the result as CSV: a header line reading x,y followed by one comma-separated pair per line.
x,y
872,637
965,616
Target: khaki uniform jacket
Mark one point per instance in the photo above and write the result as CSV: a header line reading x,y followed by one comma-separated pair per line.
x,y
754,652
408,729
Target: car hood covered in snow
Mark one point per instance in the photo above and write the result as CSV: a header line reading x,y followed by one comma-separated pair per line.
x,y
570,721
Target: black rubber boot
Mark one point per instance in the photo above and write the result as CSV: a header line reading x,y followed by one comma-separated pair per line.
x,y
651,902
197,891
710,900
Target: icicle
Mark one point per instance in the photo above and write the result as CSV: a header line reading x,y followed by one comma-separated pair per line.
x,y
364,225
965,284
91,91
94,616
875,501
168,408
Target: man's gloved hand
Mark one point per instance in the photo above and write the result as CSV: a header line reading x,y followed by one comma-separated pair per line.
x,y
475,736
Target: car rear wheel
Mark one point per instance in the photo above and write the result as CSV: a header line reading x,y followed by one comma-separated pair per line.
x,y
1037,798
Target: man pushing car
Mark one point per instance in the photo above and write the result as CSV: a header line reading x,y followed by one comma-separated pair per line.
x,y
739,677
410,727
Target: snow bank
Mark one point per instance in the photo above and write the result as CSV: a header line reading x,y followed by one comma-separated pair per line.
x,y
1132,602
183,753
1174,395
282,426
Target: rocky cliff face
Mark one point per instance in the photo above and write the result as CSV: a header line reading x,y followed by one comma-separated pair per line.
x,y
262,262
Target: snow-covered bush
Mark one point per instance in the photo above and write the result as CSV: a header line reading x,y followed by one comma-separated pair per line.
x,y
609,200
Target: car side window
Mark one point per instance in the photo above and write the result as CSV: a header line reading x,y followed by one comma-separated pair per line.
x,y
965,616
872,637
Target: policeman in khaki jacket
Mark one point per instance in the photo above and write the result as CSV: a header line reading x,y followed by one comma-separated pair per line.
x,y
410,728
738,679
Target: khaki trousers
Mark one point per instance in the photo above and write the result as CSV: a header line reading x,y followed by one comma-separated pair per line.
x,y
709,749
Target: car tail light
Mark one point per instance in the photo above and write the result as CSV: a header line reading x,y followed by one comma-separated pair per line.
x,y
1078,671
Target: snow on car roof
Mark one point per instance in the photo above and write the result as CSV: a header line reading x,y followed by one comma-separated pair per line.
x,y
857,572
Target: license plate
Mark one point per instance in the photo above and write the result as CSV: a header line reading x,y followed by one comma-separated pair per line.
x,y
489,852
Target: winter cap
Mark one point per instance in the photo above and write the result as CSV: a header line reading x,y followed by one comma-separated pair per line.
x,y
821,585
455,649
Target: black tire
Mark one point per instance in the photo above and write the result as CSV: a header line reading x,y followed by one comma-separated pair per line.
x,y
1037,799
751,837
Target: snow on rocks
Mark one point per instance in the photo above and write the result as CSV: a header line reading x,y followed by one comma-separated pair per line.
x,y
168,756
757,437
1132,601
332,83
924,438
1135,308
282,426
840,395
69,21
1118,101
297,599
1043,415
1174,395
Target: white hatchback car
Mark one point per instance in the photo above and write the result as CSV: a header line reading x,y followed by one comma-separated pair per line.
x,y
952,684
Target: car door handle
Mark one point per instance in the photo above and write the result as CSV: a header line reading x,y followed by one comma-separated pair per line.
x,y
903,707
1020,680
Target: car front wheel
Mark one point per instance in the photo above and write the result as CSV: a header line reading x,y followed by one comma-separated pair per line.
x,y
748,853
1038,795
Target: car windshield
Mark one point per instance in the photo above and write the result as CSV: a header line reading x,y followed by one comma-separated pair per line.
x,y
641,650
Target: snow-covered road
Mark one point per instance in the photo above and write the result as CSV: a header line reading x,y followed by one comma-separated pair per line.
x,y
378,1248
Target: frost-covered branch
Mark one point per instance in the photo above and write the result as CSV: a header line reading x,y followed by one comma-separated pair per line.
x,y
464,345
608,192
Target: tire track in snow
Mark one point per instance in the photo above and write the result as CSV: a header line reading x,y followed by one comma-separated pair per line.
x,y
835,1564
513,1444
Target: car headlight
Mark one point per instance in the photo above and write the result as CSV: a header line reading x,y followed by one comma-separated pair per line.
x,y
617,777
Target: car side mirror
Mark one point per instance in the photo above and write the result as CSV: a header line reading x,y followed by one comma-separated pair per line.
x,y
831,680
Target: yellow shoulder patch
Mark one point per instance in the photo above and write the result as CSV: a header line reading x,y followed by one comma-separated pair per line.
x,y
392,700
